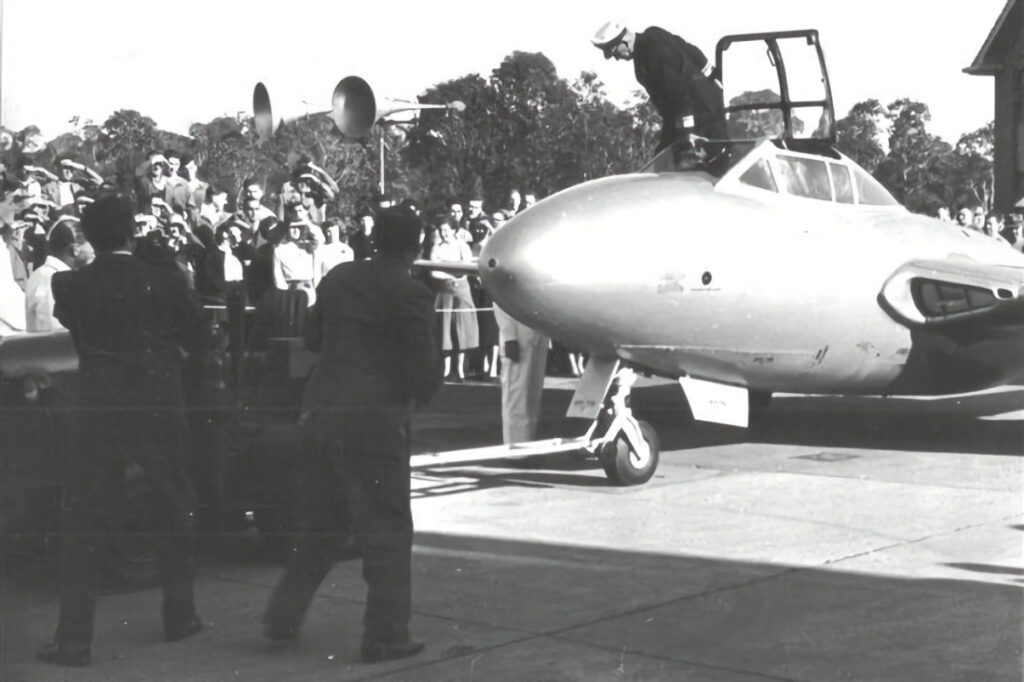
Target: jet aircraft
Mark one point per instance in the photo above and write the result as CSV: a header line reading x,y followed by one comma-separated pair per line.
x,y
740,267
789,270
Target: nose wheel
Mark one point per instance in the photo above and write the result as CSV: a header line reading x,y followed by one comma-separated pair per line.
x,y
627,464
629,448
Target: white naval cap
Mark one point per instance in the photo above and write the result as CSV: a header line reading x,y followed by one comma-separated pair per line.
x,y
609,33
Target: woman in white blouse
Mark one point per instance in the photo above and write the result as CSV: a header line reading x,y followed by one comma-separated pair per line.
x,y
454,301
333,252
294,260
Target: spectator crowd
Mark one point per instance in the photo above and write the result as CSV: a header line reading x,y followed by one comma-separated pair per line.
x,y
254,244
246,243
1000,226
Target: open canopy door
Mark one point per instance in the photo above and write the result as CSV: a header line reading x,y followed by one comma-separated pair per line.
x,y
776,85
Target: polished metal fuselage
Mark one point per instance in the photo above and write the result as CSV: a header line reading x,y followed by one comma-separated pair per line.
x,y
678,275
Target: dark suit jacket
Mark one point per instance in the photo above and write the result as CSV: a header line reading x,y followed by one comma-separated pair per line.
x,y
373,326
130,322
669,68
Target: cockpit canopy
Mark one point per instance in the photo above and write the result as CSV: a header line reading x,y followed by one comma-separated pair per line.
x,y
772,167
781,123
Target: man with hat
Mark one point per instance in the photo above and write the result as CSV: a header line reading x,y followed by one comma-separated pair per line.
x,y
132,325
179,196
151,180
677,76
67,187
252,215
374,327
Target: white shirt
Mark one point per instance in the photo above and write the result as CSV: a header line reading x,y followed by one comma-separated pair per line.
x,y
331,255
233,270
455,250
291,263
12,298
65,194
39,296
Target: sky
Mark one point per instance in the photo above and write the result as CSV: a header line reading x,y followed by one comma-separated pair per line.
x,y
193,60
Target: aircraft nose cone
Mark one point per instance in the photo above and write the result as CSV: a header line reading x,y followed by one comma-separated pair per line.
x,y
531,263
503,268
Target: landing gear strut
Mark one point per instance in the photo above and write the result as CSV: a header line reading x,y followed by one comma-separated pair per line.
x,y
627,448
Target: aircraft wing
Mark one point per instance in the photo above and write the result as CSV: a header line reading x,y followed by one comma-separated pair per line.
x,y
451,267
946,292
37,354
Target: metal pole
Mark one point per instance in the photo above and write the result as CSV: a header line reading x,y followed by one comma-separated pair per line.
x,y
1,61
382,131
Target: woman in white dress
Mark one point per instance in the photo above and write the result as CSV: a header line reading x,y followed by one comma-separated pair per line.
x,y
454,301
294,261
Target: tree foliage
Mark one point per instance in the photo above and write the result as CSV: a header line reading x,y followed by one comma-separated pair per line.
x,y
973,171
524,126
757,123
917,167
859,134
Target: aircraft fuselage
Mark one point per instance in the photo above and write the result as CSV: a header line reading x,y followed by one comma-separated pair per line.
x,y
778,293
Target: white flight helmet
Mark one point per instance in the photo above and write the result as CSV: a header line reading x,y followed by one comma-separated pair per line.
x,y
608,36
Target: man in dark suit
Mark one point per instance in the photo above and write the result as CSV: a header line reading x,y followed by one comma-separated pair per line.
x,y
131,324
373,326
677,76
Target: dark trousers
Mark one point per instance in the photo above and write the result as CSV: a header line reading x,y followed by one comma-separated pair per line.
x,y
92,511
374,489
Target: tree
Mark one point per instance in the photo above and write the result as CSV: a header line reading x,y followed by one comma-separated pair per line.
x,y
917,167
123,140
613,140
972,174
448,150
858,134
757,123
539,121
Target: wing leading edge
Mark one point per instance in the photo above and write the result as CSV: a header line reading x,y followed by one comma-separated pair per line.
x,y
451,267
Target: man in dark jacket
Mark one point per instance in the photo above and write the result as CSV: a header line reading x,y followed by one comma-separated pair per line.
x,y
677,76
130,323
373,326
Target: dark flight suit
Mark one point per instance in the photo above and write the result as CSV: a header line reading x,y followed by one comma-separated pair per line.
x,y
670,69
129,321
374,328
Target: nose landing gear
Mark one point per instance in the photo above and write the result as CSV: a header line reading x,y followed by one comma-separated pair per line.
x,y
628,448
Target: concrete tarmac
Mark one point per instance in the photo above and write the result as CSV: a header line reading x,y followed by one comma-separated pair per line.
x,y
836,539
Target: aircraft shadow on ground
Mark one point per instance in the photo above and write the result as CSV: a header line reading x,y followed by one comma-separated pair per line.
x,y
937,425
988,568
523,606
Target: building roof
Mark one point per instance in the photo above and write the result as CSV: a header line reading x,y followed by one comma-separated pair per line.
x,y
993,53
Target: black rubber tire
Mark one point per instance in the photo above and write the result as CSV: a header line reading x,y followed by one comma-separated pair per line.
x,y
618,464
